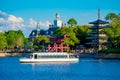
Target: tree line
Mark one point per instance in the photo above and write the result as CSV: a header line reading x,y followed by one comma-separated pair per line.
x,y
77,35
11,39
113,32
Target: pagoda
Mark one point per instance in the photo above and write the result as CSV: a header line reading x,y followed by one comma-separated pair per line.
x,y
97,39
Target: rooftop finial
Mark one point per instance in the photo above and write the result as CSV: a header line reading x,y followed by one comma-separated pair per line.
x,y
98,13
57,16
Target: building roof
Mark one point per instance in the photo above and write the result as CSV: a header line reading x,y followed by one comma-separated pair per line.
x,y
36,32
99,22
96,27
92,43
93,32
93,37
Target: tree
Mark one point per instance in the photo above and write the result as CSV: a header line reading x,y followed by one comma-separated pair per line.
x,y
19,42
41,40
3,41
113,31
11,38
111,16
82,33
15,39
26,42
19,39
72,22
71,39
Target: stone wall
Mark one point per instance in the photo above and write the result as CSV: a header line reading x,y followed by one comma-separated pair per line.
x,y
110,56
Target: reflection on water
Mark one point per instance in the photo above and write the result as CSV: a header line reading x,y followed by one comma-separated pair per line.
x,y
85,69
60,64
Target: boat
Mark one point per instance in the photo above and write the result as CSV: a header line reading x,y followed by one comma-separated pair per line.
x,y
50,57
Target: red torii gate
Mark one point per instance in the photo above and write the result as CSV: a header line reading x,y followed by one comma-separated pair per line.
x,y
58,44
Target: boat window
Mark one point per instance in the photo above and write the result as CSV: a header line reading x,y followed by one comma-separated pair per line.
x,y
51,56
35,56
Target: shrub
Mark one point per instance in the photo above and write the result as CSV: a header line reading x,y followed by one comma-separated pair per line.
x,y
102,51
111,50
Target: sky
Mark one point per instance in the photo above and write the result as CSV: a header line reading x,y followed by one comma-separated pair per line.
x,y
24,14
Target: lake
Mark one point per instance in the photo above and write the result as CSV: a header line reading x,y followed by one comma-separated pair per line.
x,y
85,69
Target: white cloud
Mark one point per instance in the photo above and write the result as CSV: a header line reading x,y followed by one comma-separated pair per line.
x,y
43,25
15,19
3,23
3,14
15,22
2,20
8,22
16,26
12,22
32,22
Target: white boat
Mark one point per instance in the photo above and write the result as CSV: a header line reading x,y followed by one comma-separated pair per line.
x,y
50,57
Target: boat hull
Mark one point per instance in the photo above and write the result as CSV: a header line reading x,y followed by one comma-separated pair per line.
x,y
49,60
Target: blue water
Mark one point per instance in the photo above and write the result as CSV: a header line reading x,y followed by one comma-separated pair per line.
x,y
85,69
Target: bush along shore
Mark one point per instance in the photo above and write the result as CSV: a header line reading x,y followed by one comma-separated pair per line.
x,y
6,54
10,54
112,53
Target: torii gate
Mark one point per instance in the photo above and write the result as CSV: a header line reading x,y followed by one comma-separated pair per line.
x,y
58,44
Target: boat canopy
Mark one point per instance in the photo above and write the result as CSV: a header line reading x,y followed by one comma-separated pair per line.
x,y
52,53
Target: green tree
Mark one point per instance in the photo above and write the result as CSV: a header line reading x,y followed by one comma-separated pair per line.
x,y
15,38
19,39
71,39
11,38
72,22
26,42
3,41
41,40
113,31
82,33
19,42
111,16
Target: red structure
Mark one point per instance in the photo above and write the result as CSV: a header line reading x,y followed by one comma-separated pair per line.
x,y
58,44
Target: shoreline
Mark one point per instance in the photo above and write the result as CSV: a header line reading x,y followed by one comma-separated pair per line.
x,y
3,54
108,56
12,54
99,56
